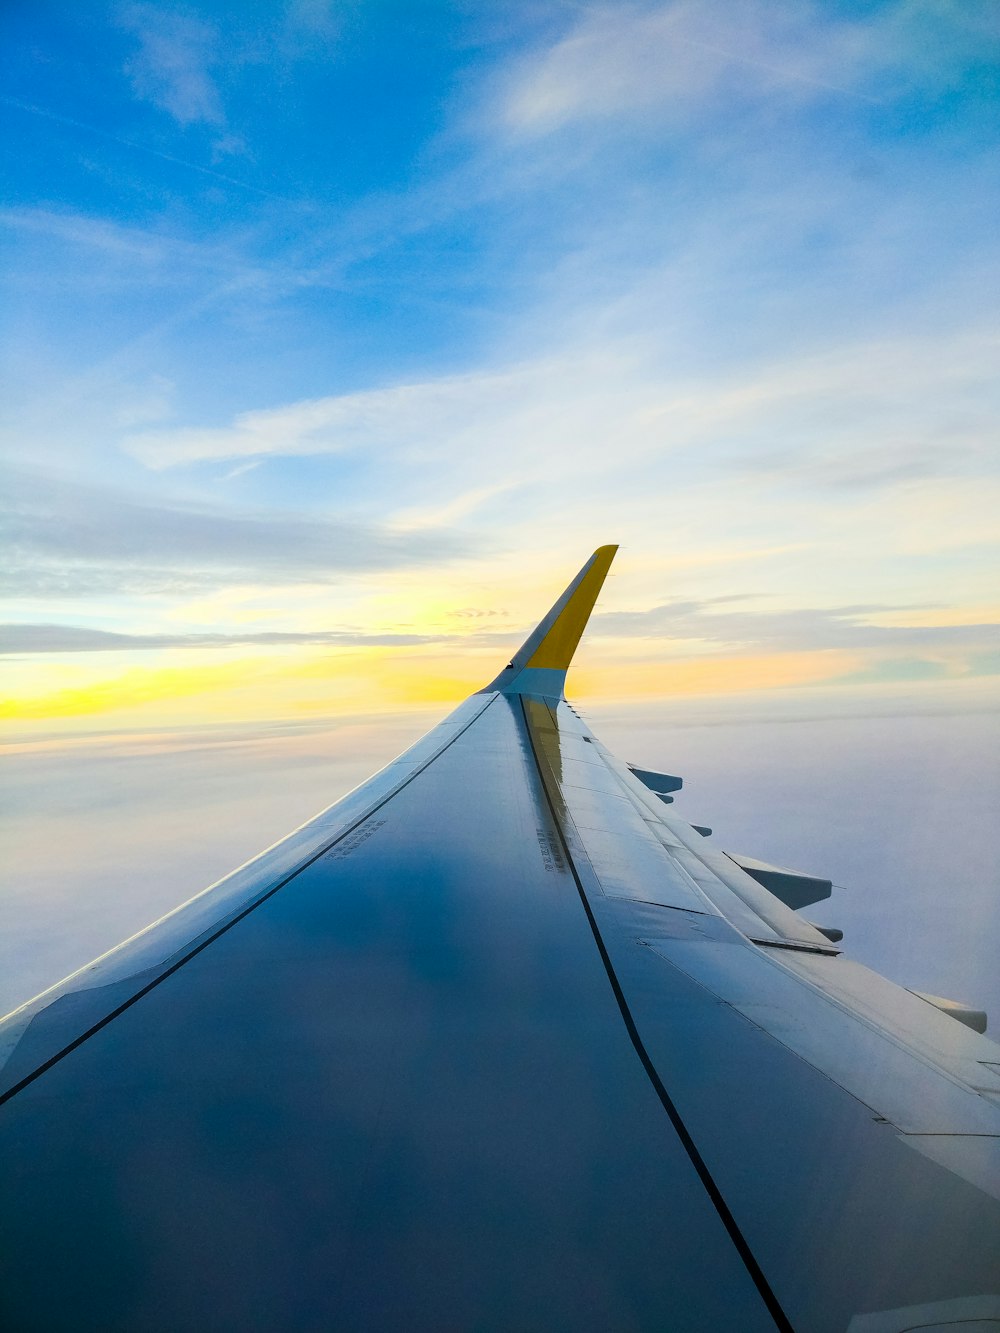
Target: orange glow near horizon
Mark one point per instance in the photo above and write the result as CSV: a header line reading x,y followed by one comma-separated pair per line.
x,y
303,683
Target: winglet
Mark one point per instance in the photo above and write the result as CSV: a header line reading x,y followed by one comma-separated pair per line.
x,y
540,664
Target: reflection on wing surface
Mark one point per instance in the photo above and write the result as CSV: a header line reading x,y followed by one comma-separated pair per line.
x,y
498,1042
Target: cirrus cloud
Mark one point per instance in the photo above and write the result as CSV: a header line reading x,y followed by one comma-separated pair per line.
x,y
65,538
171,67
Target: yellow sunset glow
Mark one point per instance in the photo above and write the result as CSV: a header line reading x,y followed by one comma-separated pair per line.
x,y
311,683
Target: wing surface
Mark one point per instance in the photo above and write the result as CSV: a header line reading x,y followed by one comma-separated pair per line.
x,y
497,1042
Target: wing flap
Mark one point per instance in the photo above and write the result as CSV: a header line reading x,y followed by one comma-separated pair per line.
x,y
795,888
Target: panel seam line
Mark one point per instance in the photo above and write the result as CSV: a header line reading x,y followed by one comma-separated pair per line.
x,y
739,1241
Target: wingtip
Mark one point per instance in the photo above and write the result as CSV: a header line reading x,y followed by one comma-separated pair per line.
x,y
557,647
540,665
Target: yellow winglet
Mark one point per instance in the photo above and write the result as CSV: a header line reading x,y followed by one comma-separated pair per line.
x,y
560,643
540,664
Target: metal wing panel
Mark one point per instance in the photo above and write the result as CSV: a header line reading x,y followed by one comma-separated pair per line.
x,y
890,1074
795,1090
836,989
37,1031
846,1215
397,1094
496,1044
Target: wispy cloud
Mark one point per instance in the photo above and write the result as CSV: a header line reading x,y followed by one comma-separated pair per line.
x,y
680,283
315,18
19,639
386,417
683,627
510,408
78,231
65,538
630,59
648,61
64,252
874,466
172,67
801,629
861,415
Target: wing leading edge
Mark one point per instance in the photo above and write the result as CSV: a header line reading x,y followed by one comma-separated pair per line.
x,y
497,1041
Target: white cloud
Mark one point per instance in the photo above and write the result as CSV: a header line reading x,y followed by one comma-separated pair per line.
x,y
171,67
132,245
802,629
628,59
18,639
860,415
508,410
653,60
314,17
66,539
714,343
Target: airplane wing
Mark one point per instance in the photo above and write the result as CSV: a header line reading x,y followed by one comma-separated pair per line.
x,y
497,1042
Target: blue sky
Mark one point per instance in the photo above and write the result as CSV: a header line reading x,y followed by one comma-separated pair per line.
x,y
361,324
336,335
